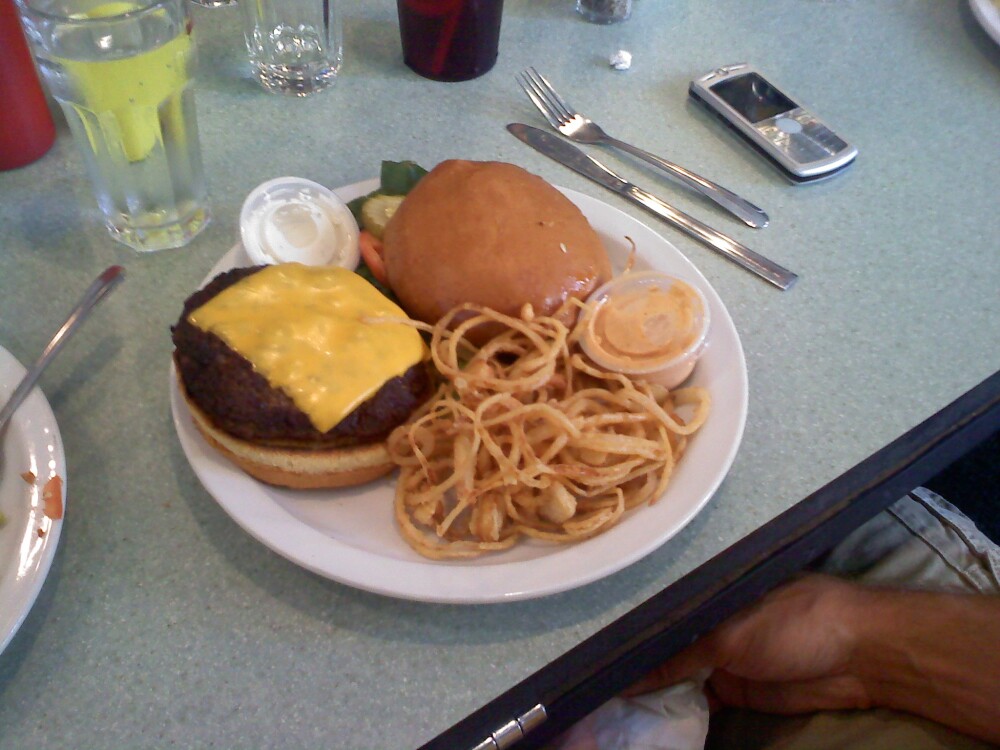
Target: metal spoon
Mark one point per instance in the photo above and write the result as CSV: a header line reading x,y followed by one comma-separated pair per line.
x,y
103,284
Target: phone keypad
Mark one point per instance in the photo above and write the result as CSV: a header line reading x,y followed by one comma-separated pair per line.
x,y
801,136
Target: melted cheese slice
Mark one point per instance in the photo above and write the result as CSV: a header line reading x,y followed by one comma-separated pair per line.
x,y
307,330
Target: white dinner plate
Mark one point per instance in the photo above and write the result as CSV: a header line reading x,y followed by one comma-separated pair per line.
x,y
987,12
350,535
29,539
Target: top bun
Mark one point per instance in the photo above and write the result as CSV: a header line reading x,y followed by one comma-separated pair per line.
x,y
491,234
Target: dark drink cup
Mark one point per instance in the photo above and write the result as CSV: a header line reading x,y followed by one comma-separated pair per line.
x,y
450,40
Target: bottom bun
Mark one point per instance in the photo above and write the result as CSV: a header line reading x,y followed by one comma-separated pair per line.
x,y
299,468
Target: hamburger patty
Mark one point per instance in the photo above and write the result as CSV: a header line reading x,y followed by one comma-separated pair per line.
x,y
240,401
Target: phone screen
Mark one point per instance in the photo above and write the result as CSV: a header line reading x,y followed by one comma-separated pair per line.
x,y
753,97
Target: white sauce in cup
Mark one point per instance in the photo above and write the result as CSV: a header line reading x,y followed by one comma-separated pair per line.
x,y
293,220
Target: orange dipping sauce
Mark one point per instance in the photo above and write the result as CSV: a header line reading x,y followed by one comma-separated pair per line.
x,y
648,325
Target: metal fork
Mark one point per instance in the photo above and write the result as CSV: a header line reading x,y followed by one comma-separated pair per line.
x,y
103,284
576,127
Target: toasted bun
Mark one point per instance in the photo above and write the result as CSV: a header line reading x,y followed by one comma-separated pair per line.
x,y
492,234
298,468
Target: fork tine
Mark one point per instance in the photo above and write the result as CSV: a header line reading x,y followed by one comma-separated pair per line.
x,y
536,99
562,107
543,102
531,75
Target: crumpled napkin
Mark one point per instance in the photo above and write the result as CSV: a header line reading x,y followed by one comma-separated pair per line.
x,y
674,718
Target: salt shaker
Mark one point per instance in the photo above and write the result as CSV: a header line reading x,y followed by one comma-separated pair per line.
x,y
26,127
604,11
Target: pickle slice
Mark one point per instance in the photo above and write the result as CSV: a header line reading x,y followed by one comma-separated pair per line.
x,y
376,212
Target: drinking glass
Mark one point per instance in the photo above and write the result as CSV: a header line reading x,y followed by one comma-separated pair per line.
x,y
295,46
604,11
122,72
450,40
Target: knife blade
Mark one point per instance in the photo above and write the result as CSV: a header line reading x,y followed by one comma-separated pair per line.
x,y
570,156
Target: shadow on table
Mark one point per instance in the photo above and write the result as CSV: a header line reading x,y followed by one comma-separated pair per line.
x,y
982,41
379,616
22,644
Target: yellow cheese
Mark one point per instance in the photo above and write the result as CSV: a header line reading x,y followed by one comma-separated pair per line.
x,y
306,329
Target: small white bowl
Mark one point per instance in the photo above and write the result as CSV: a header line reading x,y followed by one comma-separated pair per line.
x,y
293,220
660,352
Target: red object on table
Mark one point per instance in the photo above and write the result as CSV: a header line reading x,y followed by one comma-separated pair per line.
x,y
26,127
450,40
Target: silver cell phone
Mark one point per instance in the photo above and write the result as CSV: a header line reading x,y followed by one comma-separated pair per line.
x,y
789,134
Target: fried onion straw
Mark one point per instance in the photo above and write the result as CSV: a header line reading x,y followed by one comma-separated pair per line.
x,y
525,438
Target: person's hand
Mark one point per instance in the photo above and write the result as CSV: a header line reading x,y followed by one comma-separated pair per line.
x,y
790,653
824,644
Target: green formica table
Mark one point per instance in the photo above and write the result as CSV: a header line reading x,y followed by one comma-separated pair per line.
x,y
163,624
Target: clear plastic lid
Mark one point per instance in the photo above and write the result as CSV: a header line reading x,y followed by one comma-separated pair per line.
x,y
648,325
294,220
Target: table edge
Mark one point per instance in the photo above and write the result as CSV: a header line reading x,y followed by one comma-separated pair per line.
x,y
580,680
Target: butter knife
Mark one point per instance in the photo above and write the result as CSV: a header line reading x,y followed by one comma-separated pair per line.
x,y
570,156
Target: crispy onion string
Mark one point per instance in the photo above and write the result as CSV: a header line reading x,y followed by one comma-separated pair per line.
x,y
525,438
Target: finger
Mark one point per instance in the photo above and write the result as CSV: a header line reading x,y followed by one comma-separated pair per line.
x,y
794,697
714,702
696,658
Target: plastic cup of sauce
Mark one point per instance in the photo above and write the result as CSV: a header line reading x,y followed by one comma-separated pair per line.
x,y
647,325
293,220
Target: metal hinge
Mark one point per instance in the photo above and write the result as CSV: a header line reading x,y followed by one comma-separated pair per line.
x,y
514,730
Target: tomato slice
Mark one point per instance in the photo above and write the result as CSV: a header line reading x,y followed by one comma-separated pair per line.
x,y
371,253
52,500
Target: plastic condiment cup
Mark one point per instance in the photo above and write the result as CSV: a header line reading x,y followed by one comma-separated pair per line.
x,y
667,366
294,220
